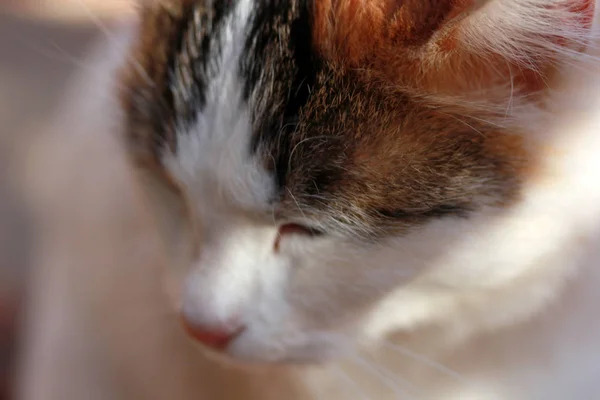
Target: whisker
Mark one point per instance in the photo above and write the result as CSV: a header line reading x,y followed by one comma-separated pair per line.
x,y
351,384
387,378
462,122
99,24
301,142
297,204
52,51
110,36
55,54
409,386
426,361
487,122
509,104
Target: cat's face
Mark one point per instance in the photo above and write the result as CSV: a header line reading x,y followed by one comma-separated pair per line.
x,y
325,171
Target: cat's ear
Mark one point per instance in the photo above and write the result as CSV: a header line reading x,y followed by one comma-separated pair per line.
x,y
453,45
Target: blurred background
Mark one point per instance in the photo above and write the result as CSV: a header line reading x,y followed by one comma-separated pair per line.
x,y
42,42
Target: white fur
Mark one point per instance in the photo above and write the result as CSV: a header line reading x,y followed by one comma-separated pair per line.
x,y
213,164
507,299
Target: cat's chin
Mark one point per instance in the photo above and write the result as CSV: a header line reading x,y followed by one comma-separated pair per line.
x,y
231,361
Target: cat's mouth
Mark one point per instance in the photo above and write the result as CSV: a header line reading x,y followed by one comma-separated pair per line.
x,y
244,348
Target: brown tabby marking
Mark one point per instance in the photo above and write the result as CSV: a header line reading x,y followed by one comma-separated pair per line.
x,y
407,116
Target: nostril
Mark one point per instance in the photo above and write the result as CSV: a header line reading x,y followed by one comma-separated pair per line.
x,y
215,338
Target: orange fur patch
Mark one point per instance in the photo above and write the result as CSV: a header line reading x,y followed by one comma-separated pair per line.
x,y
421,44
355,30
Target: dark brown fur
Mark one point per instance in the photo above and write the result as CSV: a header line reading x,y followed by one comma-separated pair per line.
x,y
385,160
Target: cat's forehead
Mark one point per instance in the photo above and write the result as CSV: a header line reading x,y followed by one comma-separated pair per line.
x,y
227,80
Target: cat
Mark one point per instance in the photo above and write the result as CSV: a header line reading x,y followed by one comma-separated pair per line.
x,y
322,199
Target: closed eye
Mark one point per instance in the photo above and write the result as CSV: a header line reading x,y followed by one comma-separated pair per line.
x,y
294,229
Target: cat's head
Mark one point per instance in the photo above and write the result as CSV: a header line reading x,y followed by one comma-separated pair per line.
x,y
326,171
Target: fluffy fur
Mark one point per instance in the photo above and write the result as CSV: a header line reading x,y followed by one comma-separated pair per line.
x,y
457,222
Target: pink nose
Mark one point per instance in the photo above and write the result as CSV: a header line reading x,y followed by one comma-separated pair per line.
x,y
216,339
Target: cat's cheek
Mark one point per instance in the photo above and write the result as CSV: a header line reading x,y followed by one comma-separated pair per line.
x,y
294,246
293,346
300,249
